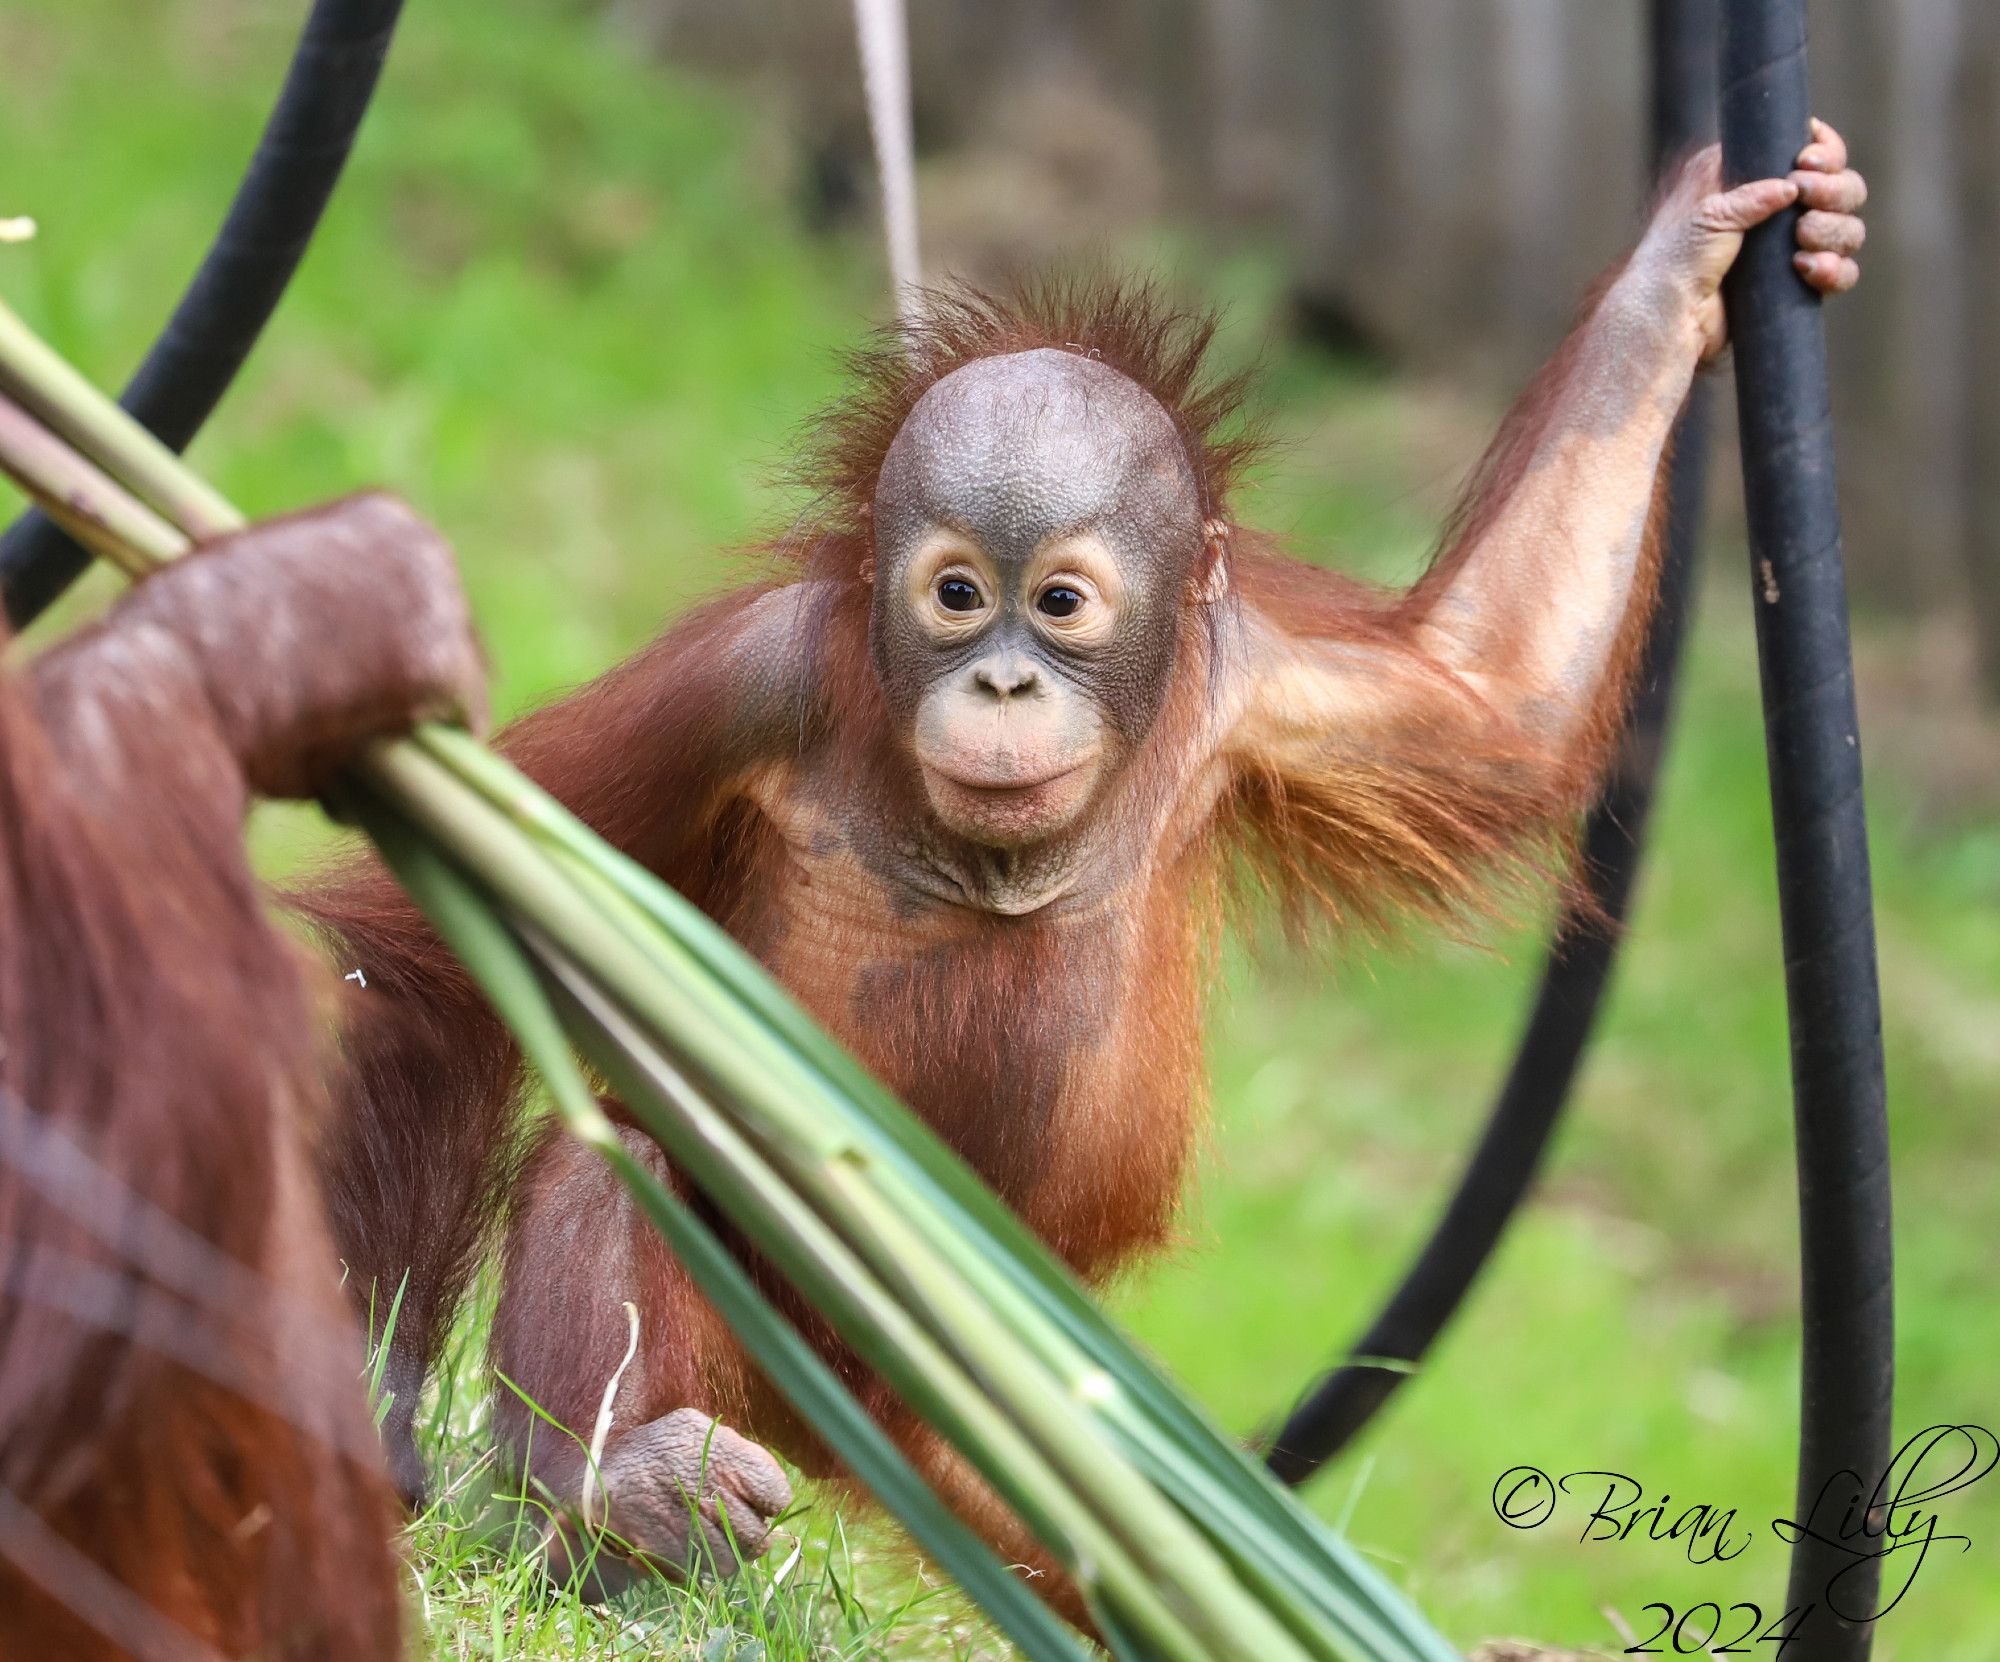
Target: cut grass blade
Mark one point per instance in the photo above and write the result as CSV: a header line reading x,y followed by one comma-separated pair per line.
x,y
82,500
39,377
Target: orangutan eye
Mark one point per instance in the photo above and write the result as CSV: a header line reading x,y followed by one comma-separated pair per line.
x,y
955,594
1060,601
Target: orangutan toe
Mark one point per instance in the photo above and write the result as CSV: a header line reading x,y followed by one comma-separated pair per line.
x,y
683,1495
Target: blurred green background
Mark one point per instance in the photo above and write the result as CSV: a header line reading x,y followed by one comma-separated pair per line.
x,y
568,305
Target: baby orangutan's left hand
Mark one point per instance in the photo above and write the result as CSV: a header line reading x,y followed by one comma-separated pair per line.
x,y
1697,232
1830,230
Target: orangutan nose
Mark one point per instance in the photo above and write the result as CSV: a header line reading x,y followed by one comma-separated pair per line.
x,y
1006,675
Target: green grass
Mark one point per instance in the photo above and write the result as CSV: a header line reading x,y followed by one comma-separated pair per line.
x,y
827,1589
563,305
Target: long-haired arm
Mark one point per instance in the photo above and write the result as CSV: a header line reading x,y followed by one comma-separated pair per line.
x,y
1476,709
157,1038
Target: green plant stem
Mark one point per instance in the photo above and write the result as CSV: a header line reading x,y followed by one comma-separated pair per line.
x,y
79,498
43,380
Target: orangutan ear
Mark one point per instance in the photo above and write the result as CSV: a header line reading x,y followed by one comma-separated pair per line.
x,y
865,571
1211,574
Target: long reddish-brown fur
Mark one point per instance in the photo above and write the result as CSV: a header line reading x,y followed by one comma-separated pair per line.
x,y
187,1466
959,1018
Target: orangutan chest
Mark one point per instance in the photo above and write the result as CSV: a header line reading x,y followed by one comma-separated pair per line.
x,y
1006,1034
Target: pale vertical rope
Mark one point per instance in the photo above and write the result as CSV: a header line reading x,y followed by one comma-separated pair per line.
x,y
884,36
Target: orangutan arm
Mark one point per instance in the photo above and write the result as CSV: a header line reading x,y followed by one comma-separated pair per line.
x,y
1427,734
263,661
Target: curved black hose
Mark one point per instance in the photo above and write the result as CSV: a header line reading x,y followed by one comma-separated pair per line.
x,y
1584,946
1812,740
277,208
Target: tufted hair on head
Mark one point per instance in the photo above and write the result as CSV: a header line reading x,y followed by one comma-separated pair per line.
x,y
1132,327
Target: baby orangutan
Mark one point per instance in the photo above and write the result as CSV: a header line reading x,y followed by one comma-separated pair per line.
x,y
187,1467
968,782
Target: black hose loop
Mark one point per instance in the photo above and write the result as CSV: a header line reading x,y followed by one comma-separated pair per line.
x,y
263,237
1812,739
1585,943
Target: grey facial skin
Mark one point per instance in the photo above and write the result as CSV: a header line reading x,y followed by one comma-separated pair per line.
x,y
1012,458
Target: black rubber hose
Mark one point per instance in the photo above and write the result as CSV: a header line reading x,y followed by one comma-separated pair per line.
x,y
1812,739
1585,943
245,273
